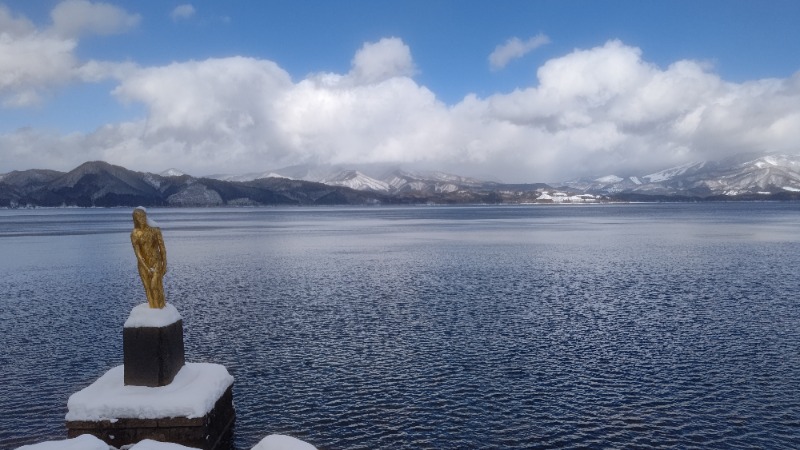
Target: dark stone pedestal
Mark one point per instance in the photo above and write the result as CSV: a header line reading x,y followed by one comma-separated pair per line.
x,y
214,431
153,355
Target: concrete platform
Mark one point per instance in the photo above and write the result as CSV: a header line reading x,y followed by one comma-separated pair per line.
x,y
195,410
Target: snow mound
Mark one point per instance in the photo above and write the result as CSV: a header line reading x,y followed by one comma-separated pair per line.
x,y
281,442
192,393
145,316
149,444
82,442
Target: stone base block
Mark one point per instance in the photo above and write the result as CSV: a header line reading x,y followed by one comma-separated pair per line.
x,y
153,355
214,431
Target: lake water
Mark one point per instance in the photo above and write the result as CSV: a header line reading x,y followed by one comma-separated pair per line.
x,y
668,325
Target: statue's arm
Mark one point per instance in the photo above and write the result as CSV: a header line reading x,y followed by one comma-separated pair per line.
x,y
163,250
137,251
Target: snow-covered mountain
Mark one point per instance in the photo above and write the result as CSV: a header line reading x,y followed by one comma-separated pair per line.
x,y
402,181
374,179
767,174
436,182
761,175
246,176
311,172
673,172
172,172
609,184
98,183
356,180
740,175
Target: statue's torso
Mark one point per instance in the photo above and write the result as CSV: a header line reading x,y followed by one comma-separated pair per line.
x,y
147,240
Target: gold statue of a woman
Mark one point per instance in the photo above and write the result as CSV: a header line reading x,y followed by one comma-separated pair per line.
x,y
151,255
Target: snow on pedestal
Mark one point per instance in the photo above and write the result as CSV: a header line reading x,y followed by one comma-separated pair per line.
x,y
145,316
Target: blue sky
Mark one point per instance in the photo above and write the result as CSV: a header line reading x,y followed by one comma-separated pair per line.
x,y
599,88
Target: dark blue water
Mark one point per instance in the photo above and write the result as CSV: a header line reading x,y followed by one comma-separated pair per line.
x,y
431,327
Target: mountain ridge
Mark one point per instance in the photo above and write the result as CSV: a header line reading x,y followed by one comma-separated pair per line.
x,y
98,183
739,175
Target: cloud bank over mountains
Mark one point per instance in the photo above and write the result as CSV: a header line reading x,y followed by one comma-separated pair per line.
x,y
592,111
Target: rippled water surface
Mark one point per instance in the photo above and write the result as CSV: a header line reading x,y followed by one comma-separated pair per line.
x,y
431,327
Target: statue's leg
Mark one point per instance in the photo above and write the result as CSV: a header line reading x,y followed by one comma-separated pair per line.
x,y
158,290
143,273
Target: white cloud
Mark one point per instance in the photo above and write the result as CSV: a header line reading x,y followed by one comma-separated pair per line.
x,y
73,18
216,113
29,59
32,62
515,48
185,11
394,120
592,112
387,58
229,113
35,62
207,97
606,110
14,26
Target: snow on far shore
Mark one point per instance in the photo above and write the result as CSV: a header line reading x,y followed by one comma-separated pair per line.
x,y
145,316
192,393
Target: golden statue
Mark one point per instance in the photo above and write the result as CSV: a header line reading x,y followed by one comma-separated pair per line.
x,y
148,244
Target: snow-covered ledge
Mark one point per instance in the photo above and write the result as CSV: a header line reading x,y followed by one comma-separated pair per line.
x,y
192,393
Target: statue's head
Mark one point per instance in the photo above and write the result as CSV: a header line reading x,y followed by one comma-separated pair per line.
x,y
139,218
